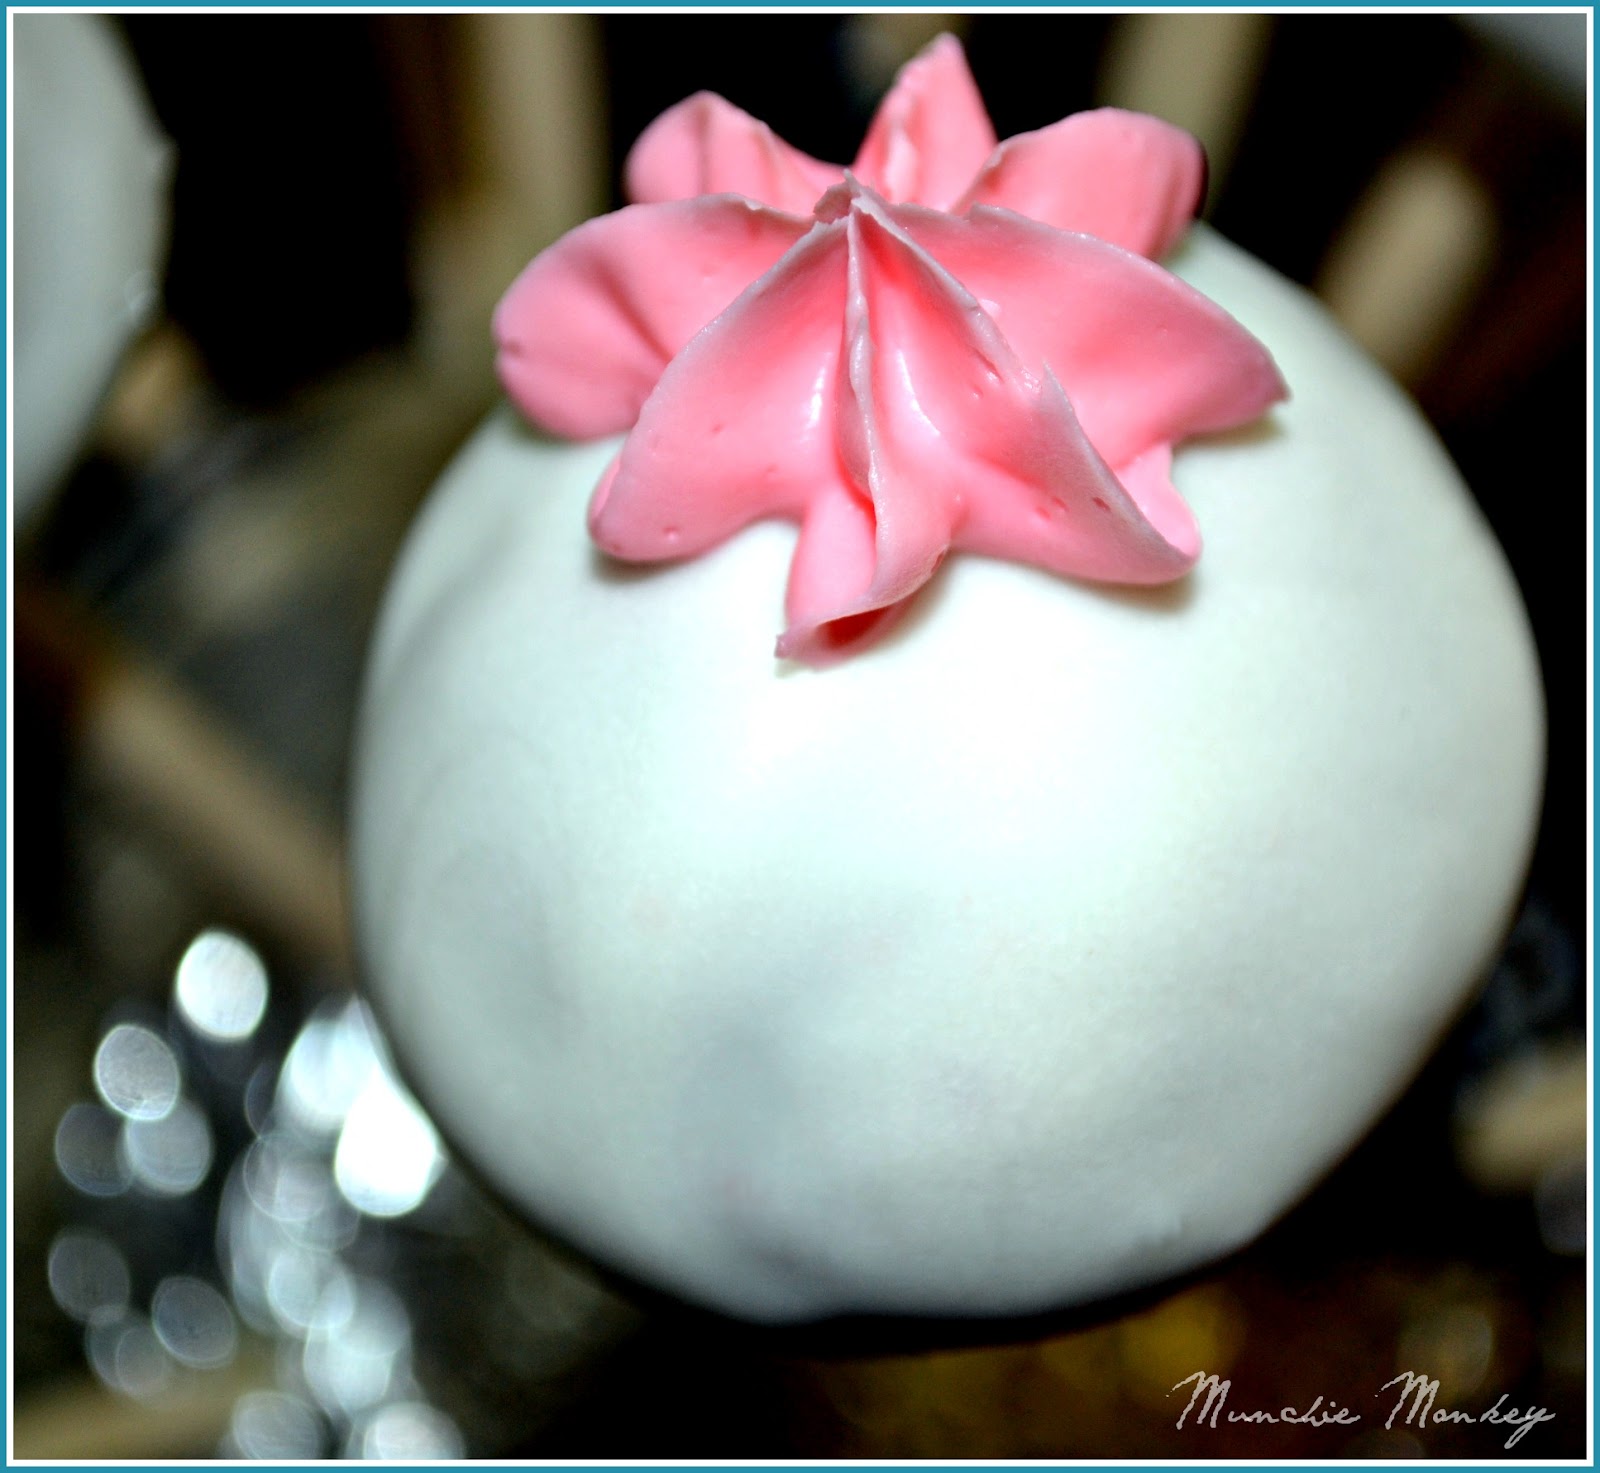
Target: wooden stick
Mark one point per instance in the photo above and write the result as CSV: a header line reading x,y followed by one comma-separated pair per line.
x,y
170,762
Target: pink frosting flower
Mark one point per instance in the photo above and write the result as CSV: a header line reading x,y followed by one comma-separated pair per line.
x,y
952,344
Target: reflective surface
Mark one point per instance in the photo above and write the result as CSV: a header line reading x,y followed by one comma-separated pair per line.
x,y
279,1187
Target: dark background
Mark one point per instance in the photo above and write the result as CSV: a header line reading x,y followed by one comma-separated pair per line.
x,y
317,158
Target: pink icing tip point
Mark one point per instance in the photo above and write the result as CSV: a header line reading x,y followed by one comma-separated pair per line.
x,y
931,132
951,346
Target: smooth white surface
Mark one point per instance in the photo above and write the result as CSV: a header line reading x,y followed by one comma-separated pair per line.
x,y
1054,946
90,210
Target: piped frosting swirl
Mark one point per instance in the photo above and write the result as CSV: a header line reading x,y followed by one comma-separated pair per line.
x,y
952,345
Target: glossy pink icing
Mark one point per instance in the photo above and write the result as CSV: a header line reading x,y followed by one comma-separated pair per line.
x,y
951,345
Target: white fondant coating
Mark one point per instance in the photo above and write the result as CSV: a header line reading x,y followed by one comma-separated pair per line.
x,y
1051,947
91,171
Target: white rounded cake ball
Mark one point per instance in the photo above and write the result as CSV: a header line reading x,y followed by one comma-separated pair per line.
x,y
1052,946
91,171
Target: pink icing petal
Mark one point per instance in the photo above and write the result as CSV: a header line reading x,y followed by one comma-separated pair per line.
x,y
1130,179
1063,510
1148,480
959,445
740,426
706,145
931,133
1143,357
586,330
959,423
834,559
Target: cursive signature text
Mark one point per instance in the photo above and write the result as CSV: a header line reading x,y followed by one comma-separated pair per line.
x,y
1413,1406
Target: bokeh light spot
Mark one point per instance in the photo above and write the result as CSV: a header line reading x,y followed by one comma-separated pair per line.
x,y
273,1426
88,1151
193,1321
172,1155
136,1072
221,987
410,1432
88,1275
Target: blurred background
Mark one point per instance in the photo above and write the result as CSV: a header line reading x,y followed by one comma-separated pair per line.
x,y
255,258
